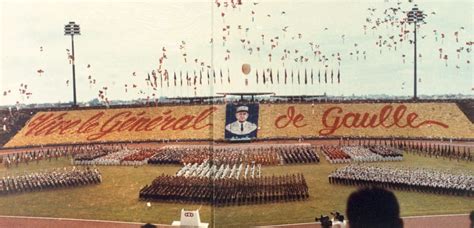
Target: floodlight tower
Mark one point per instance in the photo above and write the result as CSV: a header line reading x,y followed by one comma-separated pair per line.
x,y
73,29
415,16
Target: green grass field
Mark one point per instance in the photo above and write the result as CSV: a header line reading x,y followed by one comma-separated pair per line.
x,y
116,198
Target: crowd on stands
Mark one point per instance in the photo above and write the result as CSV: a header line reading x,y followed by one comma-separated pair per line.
x,y
412,179
214,171
264,154
11,121
226,192
38,181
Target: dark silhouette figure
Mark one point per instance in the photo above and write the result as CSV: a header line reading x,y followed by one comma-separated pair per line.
x,y
373,208
471,217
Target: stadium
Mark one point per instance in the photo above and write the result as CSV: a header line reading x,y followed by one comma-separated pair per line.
x,y
247,153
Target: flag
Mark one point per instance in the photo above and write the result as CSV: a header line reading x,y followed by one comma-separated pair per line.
x,y
228,76
214,75
311,76
319,76
175,78
271,76
326,76
220,71
305,77
208,77
263,76
200,77
286,76
181,78
332,76
188,80
299,77
256,75
278,76
195,78
338,76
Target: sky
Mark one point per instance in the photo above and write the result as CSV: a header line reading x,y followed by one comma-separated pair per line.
x,y
121,42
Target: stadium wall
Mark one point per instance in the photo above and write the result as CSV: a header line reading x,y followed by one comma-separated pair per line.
x,y
207,122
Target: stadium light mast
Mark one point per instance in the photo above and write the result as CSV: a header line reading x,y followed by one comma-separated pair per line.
x,y
72,29
415,16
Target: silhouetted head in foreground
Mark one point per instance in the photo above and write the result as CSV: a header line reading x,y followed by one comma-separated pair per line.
x,y
471,217
373,208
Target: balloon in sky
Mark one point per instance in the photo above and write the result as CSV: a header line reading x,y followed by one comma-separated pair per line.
x,y
246,68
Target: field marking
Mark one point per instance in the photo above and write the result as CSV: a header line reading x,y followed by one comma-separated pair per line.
x,y
408,217
74,219
428,216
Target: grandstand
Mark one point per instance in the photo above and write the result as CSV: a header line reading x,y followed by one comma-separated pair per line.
x,y
276,121
186,149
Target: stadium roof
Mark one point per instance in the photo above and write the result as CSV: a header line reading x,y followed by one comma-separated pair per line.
x,y
194,98
248,94
299,96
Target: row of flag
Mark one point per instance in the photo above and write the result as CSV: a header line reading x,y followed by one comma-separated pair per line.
x,y
267,76
306,78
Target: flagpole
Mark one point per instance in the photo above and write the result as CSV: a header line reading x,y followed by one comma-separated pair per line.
x,y
73,29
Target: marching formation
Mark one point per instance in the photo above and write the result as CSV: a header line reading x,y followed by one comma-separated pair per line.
x,y
413,179
120,156
38,181
440,150
264,154
114,158
78,152
431,149
222,171
226,192
346,154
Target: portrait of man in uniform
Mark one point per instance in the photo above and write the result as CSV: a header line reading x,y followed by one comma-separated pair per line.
x,y
241,123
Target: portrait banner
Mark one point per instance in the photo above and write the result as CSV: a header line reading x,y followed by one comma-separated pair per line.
x,y
241,122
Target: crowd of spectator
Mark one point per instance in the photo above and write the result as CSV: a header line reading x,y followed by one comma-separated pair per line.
x,y
226,192
37,181
11,121
412,179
